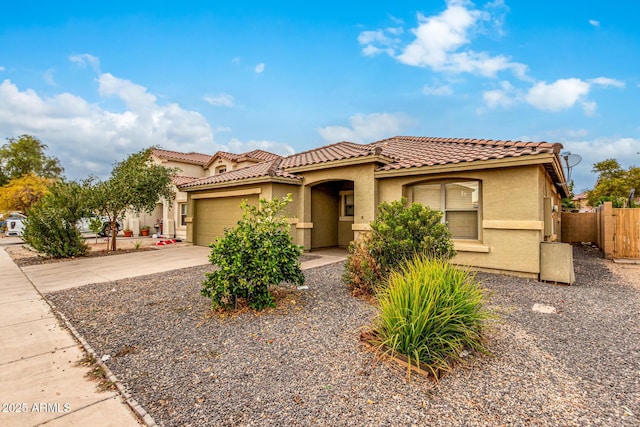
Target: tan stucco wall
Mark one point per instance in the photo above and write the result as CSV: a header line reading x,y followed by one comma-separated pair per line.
x,y
511,217
217,163
365,196
186,169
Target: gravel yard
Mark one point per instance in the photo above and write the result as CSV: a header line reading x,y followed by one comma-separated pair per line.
x,y
302,363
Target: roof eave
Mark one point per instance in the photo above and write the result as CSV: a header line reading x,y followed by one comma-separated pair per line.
x,y
534,159
245,181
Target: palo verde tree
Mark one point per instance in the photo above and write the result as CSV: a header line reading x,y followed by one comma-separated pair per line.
x,y
136,184
26,155
21,193
614,183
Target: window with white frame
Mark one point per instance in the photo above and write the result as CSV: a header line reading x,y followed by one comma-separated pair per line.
x,y
459,201
221,169
347,204
183,214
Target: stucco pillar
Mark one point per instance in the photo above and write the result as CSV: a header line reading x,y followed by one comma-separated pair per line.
x,y
365,192
189,220
304,225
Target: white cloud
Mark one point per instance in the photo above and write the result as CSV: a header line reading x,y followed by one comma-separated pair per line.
x,y
503,97
237,146
48,77
87,138
442,42
557,96
2,68
497,98
259,68
607,82
85,59
221,129
367,128
377,41
236,60
589,108
594,23
443,90
221,100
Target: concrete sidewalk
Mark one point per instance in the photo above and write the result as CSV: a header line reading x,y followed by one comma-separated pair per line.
x,y
41,383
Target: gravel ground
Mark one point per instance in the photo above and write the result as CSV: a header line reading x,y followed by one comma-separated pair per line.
x,y
302,363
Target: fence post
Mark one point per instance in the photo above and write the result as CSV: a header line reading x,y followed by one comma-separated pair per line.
x,y
608,229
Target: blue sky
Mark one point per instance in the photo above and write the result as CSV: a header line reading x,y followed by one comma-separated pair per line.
x,y
96,82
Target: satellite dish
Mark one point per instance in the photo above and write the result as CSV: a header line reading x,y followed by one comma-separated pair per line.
x,y
570,160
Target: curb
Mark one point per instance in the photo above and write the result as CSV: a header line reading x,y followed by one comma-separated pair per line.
x,y
137,409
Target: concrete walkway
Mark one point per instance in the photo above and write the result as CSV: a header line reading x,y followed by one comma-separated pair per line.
x,y
41,383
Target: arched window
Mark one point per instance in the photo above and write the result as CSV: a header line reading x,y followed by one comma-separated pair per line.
x,y
459,201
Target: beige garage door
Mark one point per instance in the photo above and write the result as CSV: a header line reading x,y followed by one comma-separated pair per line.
x,y
214,215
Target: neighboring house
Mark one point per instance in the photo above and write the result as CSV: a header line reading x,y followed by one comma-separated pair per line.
x,y
170,221
501,199
580,202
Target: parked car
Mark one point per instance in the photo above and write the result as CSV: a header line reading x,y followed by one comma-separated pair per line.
x,y
83,226
15,224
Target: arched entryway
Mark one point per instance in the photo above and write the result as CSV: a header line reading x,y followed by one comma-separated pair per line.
x,y
332,213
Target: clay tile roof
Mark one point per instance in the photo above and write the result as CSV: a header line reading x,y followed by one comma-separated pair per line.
x,y
226,155
179,180
328,153
412,151
194,158
263,169
259,155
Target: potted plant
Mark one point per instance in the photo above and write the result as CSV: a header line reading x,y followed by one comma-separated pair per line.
x,y
144,230
127,232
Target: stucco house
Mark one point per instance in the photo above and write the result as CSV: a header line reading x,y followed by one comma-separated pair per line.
x,y
501,199
169,219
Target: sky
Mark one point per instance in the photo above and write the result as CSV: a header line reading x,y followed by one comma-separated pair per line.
x,y
96,81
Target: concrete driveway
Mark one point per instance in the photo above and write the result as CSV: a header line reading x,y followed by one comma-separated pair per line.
x,y
70,274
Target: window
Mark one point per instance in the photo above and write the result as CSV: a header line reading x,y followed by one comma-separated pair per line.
x,y
458,200
347,206
183,214
221,169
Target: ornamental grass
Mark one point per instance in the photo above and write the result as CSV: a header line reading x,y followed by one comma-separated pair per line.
x,y
430,312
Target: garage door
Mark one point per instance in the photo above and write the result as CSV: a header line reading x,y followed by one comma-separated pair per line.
x,y
214,215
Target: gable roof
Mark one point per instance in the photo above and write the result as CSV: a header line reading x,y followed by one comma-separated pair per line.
x,y
338,151
269,168
254,155
193,158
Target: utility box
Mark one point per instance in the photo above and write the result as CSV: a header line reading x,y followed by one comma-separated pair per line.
x,y
556,263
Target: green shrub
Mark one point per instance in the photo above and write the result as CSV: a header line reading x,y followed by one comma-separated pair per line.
x,y
50,227
430,312
398,233
256,254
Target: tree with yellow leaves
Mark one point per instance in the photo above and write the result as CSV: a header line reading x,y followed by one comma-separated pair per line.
x,y
20,193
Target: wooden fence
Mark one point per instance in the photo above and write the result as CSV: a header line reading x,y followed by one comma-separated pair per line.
x,y
615,231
